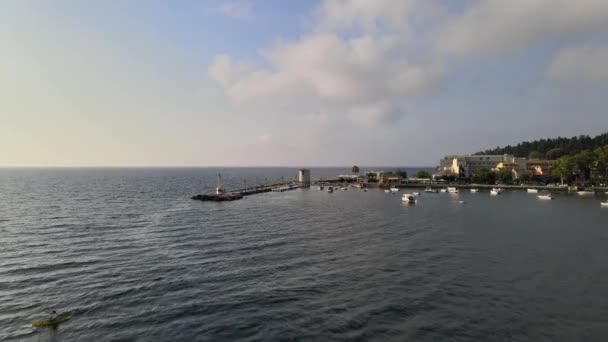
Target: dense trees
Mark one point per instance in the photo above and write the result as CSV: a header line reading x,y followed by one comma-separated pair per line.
x,y
586,166
484,176
552,148
423,174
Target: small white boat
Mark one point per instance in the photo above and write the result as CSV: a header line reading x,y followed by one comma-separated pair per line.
x,y
364,189
461,202
532,191
545,195
408,198
452,190
585,192
494,192
394,189
387,190
474,190
444,190
604,204
416,193
431,190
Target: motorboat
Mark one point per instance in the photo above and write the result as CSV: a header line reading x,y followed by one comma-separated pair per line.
x,y
416,193
431,190
330,189
494,192
444,190
585,192
545,195
452,190
394,189
364,189
408,198
461,202
474,190
532,191
604,204
387,190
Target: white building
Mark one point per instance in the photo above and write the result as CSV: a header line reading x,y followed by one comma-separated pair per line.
x,y
304,177
467,165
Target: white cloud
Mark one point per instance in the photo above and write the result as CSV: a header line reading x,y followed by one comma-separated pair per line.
x,y
357,64
493,26
579,64
237,9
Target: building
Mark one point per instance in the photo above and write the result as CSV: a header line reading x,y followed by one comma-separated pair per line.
x,y
304,177
389,178
539,168
467,165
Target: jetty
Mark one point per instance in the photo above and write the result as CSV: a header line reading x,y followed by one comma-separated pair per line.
x,y
222,195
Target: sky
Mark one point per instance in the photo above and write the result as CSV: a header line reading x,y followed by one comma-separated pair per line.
x,y
294,83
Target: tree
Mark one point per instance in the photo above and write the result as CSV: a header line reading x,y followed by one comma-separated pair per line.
x,y
355,169
423,174
371,177
484,176
524,175
504,175
563,169
535,155
554,153
584,163
401,172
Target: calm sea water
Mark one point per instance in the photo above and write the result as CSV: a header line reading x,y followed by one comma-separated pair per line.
x,y
134,259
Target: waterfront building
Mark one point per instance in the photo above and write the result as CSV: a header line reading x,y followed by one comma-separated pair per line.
x,y
467,165
304,177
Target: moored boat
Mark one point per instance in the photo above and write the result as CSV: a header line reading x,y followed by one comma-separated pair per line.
x,y
474,190
452,190
532,191
408,198
387,190
431,190
494,192
330,189
444,190
545,195
416,193
394,189
585,192
604,204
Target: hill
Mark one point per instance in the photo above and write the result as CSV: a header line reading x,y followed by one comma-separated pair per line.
x,y
552,148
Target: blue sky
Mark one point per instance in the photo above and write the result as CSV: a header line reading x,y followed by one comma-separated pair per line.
x,y
289,83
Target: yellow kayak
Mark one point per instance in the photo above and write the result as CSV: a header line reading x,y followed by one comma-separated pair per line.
x,y
51,322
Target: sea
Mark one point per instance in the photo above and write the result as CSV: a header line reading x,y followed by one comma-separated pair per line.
x,y
132,257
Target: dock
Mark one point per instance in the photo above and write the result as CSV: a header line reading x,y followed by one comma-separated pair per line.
x,y
222,195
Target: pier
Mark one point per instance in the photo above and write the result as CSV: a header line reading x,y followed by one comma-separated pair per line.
x,y
222,195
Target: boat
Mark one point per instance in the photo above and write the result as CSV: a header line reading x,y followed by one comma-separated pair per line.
x,y
532,191
461,202
408,198
494,192
52,322
344,188
604,204
585,192
452,190
431,190
545,195
474,190
330,189
387,190
444,190
394,189
364,189
321,187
